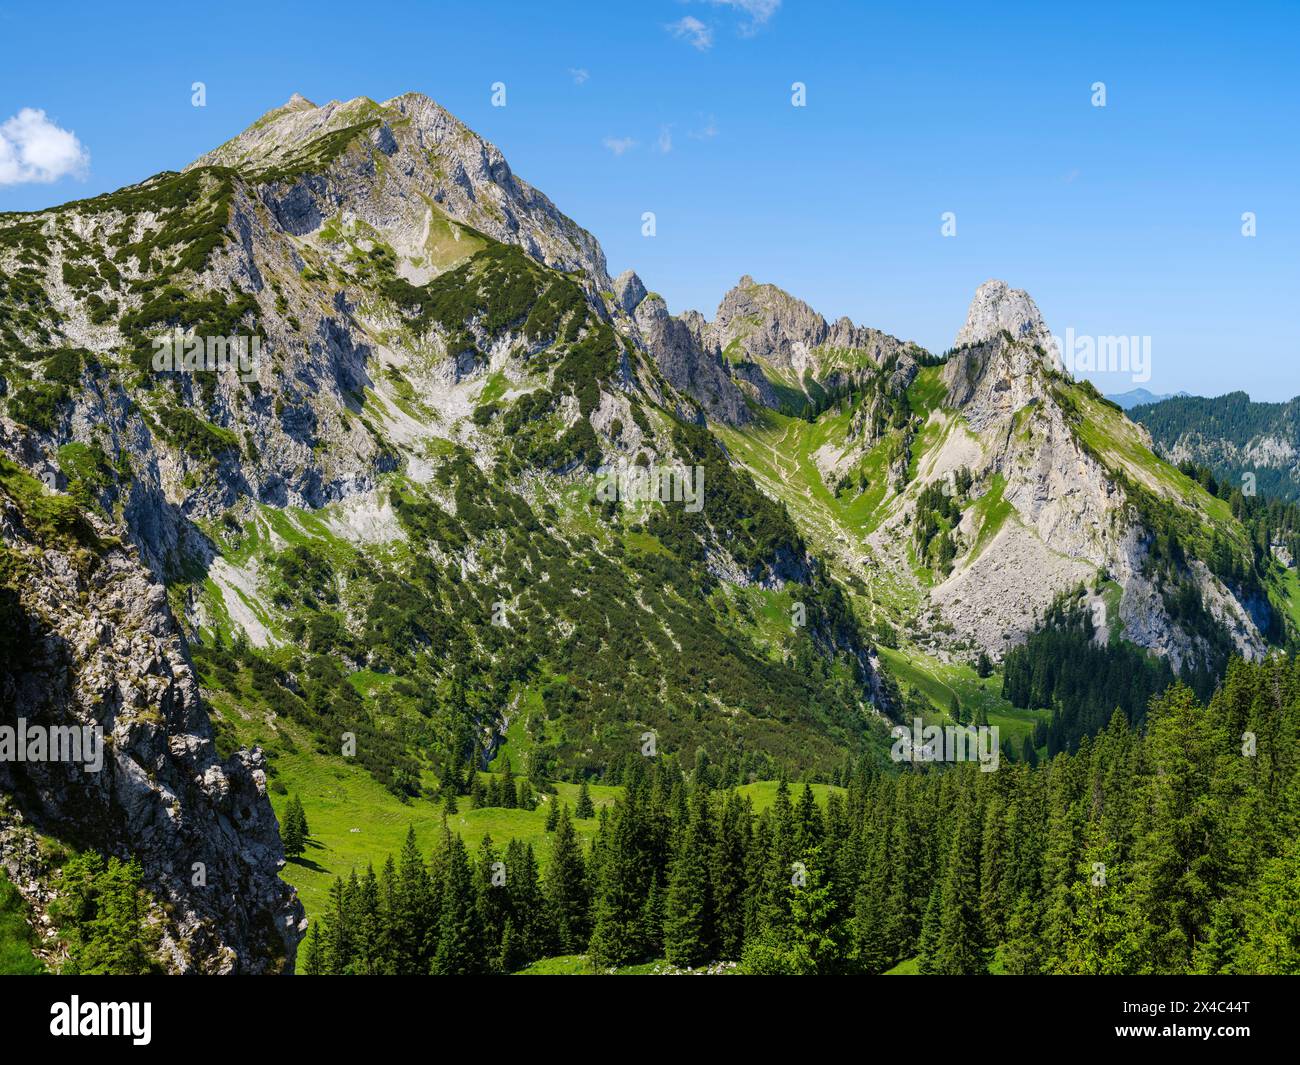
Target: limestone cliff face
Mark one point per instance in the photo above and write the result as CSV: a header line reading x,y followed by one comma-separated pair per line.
x,y
1072,519
89,640
686,364
766,325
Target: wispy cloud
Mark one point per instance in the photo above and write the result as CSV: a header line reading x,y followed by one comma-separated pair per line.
x,y
34,149
758,11
665,141
579,75
707,131
618,145
690,29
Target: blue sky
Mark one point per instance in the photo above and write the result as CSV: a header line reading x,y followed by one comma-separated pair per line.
x,y
1122,220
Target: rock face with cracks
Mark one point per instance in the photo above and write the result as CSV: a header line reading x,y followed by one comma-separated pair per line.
x,y
90,644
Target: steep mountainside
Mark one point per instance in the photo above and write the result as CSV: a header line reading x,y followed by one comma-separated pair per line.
x,y
381,485
86,641
967,498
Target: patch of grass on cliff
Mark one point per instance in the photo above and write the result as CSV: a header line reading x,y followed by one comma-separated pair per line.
x,y
991,512
193,435
49,515
926,391
16,937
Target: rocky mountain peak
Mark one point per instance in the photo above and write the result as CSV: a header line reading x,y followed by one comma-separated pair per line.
x,y
628,290
767,323
397,166
997,307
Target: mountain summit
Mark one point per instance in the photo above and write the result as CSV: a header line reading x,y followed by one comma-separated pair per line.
x,y
425,164
997,307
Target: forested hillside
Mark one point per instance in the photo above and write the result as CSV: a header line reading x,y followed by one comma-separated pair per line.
x,y
1232,435
1167,850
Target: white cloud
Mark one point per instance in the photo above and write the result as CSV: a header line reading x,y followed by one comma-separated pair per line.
x,y
618,145
665,141
34,149
693,31
579,75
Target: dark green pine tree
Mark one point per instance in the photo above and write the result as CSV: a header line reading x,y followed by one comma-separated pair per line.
x,y
476,796
414,913
389,908
491,898
584,810
553,813
961,949
526,907
338,930
869,924
927,963
690,937
314,959
809,817
461,948
568,899
368,924
616,937
293,830
727,869
780,870
508,794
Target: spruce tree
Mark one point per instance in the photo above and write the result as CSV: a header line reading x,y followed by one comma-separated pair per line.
x,y
584,810
568,898
727,871
961,948
461,948
292,833
413,916
338,930
616,937
689,932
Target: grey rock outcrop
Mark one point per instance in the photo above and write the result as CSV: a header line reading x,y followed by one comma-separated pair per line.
x,y
997,307
99,648
686,365
628,291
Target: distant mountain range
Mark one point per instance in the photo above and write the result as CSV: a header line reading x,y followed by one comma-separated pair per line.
x,y
1140,396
